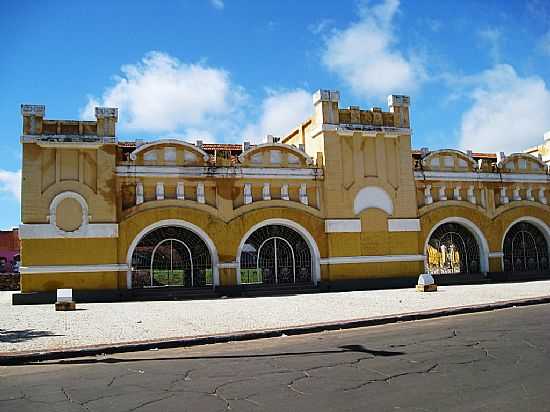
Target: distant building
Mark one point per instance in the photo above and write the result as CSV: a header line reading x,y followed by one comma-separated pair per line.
x,y
341,198
9,251
541,151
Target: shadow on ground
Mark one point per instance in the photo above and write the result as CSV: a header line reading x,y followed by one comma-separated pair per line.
x,y
23,335
341,349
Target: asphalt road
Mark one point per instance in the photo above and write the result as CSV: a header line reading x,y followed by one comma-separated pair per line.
x,y
496,361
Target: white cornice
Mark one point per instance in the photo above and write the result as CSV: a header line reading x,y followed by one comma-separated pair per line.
x,y
342,225
115,267
221,172
50,231
68,141
365,130
482,176
341,260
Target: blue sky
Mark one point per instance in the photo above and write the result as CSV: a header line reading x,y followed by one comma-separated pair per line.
x,y
477,72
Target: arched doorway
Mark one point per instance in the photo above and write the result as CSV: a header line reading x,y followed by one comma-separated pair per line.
x,y
276,254
525,249
171,256
452,248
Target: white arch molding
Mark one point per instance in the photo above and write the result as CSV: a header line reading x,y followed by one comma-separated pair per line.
x,y
535,221
56,201
186,225
314,250
372,197
482,243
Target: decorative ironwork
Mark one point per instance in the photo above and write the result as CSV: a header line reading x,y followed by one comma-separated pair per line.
x,y
525,249
452,249
276,254
171,256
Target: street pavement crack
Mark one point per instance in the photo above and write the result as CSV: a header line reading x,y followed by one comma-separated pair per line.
x,y
387,379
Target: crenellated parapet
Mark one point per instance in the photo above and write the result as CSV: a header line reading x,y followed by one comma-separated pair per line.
x,y
51,133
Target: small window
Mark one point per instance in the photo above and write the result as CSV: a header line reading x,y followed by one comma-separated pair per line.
x,y
275,156
189,156
293,159
449,161
170,154
257,158
150,156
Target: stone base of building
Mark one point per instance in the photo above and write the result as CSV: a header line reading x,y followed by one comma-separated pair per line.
x,y
175,293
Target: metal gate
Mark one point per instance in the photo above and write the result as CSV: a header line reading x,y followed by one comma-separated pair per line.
x,y
525,249
452,249
275,254
171,256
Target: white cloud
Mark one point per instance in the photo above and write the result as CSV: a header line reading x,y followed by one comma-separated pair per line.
x,y
217,4
544,44
365,56
10,183
161,94
492,37
509,112
280,113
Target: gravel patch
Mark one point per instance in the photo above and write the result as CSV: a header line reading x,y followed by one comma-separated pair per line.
x,y
40,327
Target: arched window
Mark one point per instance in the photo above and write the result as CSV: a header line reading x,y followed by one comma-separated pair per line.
x,y
452,249
275,254
171,256
525,249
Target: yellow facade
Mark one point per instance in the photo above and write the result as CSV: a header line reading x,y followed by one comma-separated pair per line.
x,y
342,197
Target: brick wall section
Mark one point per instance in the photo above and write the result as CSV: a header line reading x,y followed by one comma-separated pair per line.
x,y
9,281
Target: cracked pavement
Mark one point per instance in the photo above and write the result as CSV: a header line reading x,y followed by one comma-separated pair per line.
x,y
478,362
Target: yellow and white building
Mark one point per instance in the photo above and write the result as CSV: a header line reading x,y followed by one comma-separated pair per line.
x,y
341,198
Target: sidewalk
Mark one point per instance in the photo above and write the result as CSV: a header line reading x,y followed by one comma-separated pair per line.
x,y
40,328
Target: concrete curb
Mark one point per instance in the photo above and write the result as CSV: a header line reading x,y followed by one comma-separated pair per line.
x,y
19,358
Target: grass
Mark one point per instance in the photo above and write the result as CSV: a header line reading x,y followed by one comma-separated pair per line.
x,y
177,277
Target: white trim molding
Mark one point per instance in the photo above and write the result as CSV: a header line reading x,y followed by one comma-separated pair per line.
x,y
342,225
372,197
476,232
49,231
482,176
341,260
403,225
221,172
535,221
114,267
493,255
176,142
314,249
69,195
365,130
181,223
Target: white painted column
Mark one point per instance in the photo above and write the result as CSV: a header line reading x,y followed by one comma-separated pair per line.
x,y
303,194
160,191
542,197
515,193
200,193
471,195
247,193
284,192
266,192
503,196
428,199
139,193
529,195
456,193
442,193
180,191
